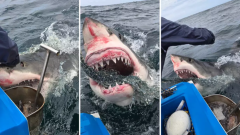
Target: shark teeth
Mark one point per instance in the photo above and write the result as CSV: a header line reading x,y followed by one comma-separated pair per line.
x,y
27,82
185,71
96,66
101,63
115,60
107,62
122,58
111,89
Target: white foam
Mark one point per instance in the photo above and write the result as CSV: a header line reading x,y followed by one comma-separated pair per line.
x,y
32,49
66,43
136,45
225,59
214,84
64,78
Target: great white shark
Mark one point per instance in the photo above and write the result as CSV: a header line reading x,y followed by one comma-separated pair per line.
x,y
106,50
28,71
206,75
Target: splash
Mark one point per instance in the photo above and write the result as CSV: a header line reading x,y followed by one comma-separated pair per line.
x,y
62,36
64,78
230,58
32,49
217,84
136,45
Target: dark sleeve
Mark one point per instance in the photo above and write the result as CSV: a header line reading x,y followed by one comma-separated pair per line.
x,y
9,55
176,34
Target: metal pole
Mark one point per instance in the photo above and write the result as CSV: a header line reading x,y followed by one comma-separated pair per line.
x,y
42,75
49,50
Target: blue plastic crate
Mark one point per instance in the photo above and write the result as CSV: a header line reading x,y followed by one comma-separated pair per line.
x,y
12,121
92,126
203,119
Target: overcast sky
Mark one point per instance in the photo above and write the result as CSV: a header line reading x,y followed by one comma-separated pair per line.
x,y
103,2
178,9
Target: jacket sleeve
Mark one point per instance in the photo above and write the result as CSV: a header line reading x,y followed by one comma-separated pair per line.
x,y
9,55
175,34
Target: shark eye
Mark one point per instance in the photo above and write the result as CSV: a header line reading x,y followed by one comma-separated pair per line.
x,y
23,64
190,60
109,31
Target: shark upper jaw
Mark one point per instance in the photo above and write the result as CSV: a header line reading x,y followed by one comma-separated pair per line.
x,y
20,75
184,69
105,50
17,78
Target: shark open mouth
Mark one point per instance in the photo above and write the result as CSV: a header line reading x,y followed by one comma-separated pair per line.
x,y
185,74
111,59
31,82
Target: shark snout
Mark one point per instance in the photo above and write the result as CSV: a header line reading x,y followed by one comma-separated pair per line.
x,y
90,25
94,32
175,60
172,58
89,30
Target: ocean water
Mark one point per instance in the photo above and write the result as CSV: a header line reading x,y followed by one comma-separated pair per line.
x,y
54,23
224,23
139,23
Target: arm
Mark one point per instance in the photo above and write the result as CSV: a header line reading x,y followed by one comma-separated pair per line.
x,y
176,34
8,50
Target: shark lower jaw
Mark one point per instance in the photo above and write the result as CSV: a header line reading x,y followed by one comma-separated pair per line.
x,y
112,90
121,94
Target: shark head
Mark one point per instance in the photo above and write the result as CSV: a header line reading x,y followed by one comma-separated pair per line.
x,y
18,75
186,67
27,72
105,50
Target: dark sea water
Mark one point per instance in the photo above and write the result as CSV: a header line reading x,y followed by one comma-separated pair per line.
x,y
139,23
224,22
55,23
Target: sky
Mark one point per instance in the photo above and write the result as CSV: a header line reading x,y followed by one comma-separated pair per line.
x,y
103,2
177,9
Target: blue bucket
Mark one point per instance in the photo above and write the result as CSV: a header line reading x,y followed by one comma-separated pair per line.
x,y
203,119
12,121
92,126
